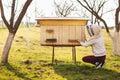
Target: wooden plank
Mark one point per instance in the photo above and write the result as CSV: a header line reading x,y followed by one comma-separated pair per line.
x,y
42,38
56,35
61,22
78,33
53,53
83,33
72,34
48,35
74,54
65,35
61,34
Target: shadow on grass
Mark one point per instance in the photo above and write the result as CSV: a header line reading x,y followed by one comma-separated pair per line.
x,y
84,72
16,72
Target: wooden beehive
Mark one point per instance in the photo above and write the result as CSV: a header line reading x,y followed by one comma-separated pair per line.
x,y
62,31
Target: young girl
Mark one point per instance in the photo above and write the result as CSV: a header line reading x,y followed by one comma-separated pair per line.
x,y
97,43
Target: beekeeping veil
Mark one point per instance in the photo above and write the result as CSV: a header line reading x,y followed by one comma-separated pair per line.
x,y
94,30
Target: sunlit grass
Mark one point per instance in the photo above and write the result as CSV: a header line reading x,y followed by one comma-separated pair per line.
x,y
30,61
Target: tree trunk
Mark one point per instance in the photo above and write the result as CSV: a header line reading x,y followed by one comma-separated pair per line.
x,y
116,45
7,47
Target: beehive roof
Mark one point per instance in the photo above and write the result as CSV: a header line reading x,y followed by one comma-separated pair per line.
x,y
61,18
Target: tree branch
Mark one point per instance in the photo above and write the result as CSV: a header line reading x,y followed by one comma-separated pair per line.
x,y
100,6
20,17
12,14
117,25
91,10
84,6
69,10
3,16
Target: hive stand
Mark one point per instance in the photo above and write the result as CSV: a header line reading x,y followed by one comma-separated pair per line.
x,y
73,54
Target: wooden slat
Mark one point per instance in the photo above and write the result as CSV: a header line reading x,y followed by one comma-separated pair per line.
x,y
82,33
78,33
72,34
65,35
42,32
61,34
61,22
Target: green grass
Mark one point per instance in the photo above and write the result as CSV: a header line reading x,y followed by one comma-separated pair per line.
x,y
34,62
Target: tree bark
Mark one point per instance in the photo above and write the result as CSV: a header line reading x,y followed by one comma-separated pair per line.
x,y
7,47
116,33
116,44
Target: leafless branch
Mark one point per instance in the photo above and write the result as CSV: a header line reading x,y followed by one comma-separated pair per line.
x,y
3,16
64,9
18,21
91,10
12,14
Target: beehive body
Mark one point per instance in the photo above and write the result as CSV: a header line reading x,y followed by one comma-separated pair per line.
x,y
61,32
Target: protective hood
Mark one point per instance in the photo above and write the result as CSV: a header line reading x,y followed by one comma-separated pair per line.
x,y
94,30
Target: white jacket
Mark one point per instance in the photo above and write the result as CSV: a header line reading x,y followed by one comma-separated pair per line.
x,y
97,46
96,41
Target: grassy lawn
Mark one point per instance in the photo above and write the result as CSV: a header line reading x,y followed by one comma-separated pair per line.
x,y
30,61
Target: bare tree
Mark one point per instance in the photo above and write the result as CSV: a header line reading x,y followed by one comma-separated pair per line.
x,y
12,26
95,12
65,9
